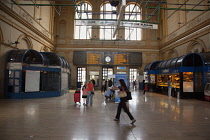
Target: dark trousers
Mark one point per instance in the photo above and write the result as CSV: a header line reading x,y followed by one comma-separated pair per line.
x,y
102,88
121,105
143,92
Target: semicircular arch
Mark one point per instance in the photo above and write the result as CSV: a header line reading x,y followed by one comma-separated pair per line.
x,y
196,46
24,42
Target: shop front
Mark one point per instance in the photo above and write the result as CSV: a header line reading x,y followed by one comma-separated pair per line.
x,y
150,75
186,75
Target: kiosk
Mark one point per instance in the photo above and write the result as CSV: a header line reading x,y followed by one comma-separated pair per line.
x,y
188,75
31,74
150,75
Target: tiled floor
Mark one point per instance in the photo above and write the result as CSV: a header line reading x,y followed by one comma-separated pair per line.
x,y
158,118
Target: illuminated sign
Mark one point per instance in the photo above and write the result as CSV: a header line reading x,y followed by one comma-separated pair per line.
x,y
107,58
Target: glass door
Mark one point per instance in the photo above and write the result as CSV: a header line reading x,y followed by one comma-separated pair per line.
x,y
133,75
81,76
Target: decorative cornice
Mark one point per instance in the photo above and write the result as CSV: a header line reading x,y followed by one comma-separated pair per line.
x,y
24,31
196,28
27,24
195,24
187,39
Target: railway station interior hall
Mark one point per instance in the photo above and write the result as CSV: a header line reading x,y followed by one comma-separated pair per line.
x,y
51,49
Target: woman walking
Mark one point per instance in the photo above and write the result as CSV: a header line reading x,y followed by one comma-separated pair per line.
x,y
122,103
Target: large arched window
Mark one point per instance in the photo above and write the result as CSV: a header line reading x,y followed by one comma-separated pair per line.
x,y
132,12
106,32
83,12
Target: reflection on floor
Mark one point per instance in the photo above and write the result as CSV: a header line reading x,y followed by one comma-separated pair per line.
x,y
158,118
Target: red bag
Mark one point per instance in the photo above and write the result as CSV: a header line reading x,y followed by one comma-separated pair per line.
x,y
146,88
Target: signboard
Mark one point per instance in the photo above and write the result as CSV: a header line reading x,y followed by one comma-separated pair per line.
x,y
107,58
121,59
32,83
94,58
121,68
93,22
94,73
117,78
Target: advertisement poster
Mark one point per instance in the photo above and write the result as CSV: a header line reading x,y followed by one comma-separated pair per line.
x,y
117,78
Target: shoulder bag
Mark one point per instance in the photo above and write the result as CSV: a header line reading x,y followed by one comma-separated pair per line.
x,y
129,97
122,94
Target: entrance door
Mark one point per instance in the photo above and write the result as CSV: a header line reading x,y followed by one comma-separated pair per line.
x,y
94,76
96,79
133,75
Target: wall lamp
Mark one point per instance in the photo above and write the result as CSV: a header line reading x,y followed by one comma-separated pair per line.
x,y
16,42
38,18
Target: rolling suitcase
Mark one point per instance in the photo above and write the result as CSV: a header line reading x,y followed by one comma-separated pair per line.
x,y
77,96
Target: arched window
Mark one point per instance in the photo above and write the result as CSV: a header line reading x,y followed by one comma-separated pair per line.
x,y
83,12
107,12
132,12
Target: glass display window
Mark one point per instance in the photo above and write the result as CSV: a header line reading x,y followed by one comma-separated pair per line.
x,y
152,79
17,74
162,80
187,76
11,73
146,77
175,80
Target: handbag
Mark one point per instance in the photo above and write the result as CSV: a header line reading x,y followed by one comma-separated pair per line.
x,y
92,92
129,97
84,96
122,94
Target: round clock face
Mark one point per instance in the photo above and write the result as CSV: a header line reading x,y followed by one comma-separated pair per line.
x,y
107,58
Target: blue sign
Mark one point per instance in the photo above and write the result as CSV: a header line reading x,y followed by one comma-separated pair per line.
x,y
117,78
121,68
208,69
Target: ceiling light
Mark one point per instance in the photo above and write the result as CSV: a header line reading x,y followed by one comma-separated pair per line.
x,y
114,12
114,2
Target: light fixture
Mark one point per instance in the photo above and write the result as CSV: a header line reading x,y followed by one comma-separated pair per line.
x,y
38,18
16,42
114,12
114,2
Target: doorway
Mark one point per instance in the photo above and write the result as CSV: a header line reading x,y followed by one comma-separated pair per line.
x,y
133,75
81,76
94,77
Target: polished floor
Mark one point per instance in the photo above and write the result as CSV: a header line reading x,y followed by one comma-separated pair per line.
x,y
158,118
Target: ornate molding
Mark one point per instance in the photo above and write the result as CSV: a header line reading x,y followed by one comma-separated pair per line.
x,y
194,25
23,31
23,18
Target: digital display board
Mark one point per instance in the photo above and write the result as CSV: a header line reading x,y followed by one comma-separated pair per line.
x,y
121,59
94,58
107,58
